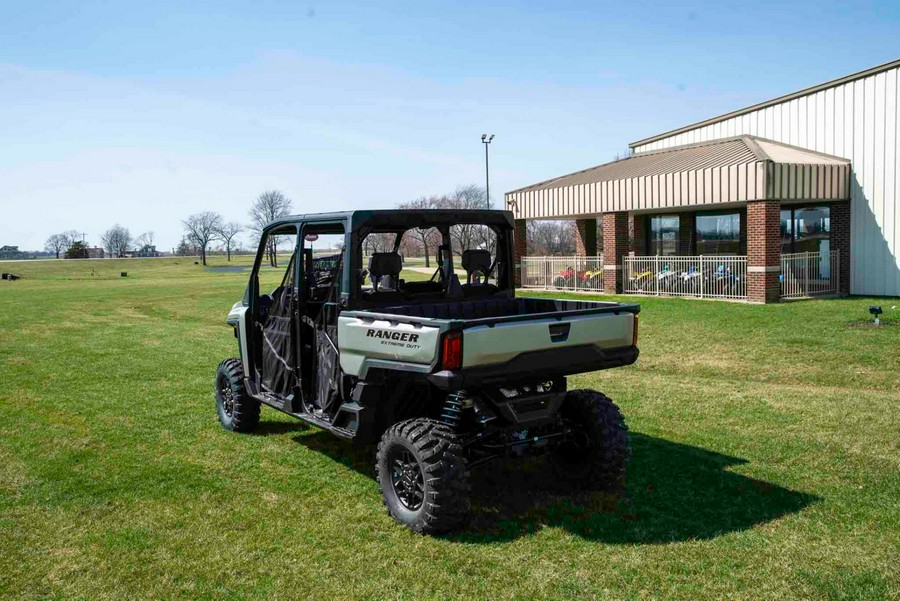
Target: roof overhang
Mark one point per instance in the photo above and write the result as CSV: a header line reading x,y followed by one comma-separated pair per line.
x,y
740,169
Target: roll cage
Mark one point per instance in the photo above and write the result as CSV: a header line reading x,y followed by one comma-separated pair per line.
x,y
357,225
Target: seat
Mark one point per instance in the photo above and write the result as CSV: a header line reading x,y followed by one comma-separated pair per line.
x,y
477,260
384,269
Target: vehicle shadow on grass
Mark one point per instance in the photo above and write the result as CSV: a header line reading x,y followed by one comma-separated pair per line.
x,y
675,493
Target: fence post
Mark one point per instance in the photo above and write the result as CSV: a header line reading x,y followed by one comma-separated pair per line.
x,y
701,276
806,271
656,273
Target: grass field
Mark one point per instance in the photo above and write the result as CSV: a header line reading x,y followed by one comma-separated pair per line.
x,y
766,462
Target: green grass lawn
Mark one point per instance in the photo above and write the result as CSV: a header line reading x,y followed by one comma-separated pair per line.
x,y
765,438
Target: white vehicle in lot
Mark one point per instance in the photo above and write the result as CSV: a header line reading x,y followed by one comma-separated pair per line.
x,y
442,374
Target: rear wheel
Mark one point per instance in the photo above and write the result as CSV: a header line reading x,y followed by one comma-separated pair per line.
x,y
596,451
421,471
238,411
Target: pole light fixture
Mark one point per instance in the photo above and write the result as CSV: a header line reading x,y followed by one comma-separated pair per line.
x,y
486,140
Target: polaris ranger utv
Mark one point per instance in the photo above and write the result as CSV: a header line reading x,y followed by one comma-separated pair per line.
x,y
444,373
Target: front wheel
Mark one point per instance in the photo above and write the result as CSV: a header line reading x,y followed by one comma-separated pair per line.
x,y
422,473
595,452
238,411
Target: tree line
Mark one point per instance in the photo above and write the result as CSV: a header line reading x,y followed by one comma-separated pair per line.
x,y
206,227
116,242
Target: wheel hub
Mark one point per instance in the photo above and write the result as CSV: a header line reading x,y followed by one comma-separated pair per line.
x,y
227,398
408,480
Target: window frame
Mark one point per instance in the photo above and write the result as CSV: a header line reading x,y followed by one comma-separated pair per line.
x,y
717,213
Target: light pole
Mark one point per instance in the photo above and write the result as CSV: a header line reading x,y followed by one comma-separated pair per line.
x,y
486,140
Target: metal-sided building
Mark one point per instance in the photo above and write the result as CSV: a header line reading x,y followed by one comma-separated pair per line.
x,y
792,197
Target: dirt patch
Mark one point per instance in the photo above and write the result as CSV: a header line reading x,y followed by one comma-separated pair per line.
x,y
885,323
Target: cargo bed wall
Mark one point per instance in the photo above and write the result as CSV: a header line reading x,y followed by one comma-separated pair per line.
x,y
494,307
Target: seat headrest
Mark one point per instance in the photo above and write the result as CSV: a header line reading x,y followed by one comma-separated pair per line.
x,y
476,259
385,264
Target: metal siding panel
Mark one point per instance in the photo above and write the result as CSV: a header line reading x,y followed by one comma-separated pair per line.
x,y
812,181
891,259
790,181
807,182
742,182
656,191
676,189
871,242
813,133
732,183
839,121
801,121
716,187
827,121
895,171
670,188
877,200
775,132
760,183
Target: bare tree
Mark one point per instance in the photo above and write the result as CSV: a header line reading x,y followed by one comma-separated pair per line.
x,y
269,206
550,238
145,239
201,229
116,240
56,244
227,232
426,236
379,242
465,236
71,237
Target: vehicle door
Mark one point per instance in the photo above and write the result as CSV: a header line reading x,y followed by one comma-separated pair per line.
x,y
322,286
274,311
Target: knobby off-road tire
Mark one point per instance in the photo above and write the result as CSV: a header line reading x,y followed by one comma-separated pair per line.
x,y
422,475
237,410
597,453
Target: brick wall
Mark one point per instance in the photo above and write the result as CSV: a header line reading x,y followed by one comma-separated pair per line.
x,y
840,241
763,251
520,248
615,246
586,237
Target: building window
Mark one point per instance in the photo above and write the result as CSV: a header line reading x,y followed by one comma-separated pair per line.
x,y
806,229
718,234
662,238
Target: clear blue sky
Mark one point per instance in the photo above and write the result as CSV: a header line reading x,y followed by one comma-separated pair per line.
x,y
144,112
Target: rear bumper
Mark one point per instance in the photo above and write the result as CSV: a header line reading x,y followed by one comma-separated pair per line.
x,y
536,365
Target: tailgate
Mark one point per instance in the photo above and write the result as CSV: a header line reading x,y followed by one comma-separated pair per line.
x,y
503,341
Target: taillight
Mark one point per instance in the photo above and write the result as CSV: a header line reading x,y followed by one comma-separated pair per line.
x,y
634,332
451,351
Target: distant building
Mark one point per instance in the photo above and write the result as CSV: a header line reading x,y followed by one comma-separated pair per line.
x,y
148,250
12,252
95,252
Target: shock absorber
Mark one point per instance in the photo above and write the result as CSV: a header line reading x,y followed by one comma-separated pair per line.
x,y
451,413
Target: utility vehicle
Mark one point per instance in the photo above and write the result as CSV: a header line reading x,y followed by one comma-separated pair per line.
x,y
442,372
